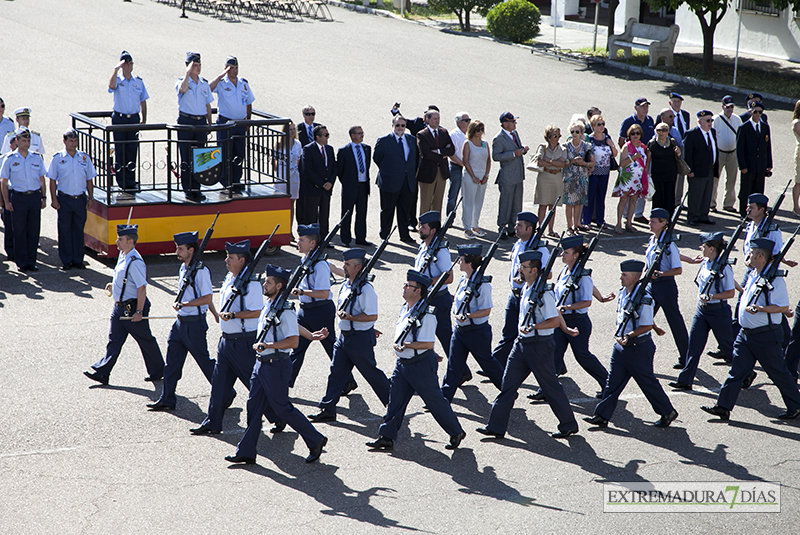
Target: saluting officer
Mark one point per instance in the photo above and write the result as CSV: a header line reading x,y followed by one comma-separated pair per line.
x,y
633,354
415,371
472,334
234,103
25,196
713,312
269,387
356,342
194,108
760,338
532,352
525,229
23,116
130,107
129,291
71,190
188,333
235,355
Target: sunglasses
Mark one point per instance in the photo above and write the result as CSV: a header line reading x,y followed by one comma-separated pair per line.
x,y
600,124
575,132
636,133
309,114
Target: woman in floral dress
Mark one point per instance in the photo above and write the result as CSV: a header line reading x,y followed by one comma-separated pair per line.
x,y
576,177
632,181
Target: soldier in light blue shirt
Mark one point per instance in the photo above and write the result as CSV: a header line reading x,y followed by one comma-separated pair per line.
x,y
234,103
130,107
194,108
71,190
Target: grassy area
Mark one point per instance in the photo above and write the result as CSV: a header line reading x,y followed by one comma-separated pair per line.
x,y
415,12
758,80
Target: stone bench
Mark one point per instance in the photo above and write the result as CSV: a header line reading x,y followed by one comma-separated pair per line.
x,y
659,40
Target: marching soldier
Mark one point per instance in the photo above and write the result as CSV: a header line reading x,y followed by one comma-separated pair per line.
x,y
415,371
129,291
356,342
269,388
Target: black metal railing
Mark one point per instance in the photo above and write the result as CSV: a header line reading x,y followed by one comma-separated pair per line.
x,y
761,7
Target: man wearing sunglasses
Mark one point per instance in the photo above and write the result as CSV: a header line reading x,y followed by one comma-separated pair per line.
x,y
754,152
317,175
702,155
305,129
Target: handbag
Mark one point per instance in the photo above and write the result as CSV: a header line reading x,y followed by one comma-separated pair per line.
x,y
533,162
683,167
614,165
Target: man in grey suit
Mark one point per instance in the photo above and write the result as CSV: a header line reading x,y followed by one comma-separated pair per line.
x,y
509,151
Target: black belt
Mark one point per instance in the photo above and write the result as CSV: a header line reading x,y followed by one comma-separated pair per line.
x,y
638,340
662,278
713,306
354,332
126,115
195,117
416,358
273,356
315,304
534,338
727,151
29,192
765,328
467,328
192,318
237,336
73,196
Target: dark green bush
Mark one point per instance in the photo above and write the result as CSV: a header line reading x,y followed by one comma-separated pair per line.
x,y
516,21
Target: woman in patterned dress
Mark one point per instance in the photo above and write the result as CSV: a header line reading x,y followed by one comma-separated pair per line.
x,y
576,177
632,180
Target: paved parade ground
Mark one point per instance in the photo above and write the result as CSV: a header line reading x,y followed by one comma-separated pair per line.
x,y
78,457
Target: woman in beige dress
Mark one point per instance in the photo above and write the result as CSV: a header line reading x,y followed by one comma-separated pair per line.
x,y
551,159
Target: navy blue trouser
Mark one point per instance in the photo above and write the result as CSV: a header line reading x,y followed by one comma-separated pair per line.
x,y
580,348
235,359
792,353
71,220
531,356
633,362
140,331
233,149
269,395
8,233
510,331
475,339
314,319
443,302
665,296
420,377
126,146
357,205
355,349
764,348
715,317
596,206
188,140
27,216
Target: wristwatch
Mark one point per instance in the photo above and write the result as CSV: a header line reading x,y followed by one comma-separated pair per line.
x,y
140,312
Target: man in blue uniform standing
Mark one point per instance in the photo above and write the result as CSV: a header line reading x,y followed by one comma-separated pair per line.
x,y
25,196
356,342
235,355
71,190
532,352
234,103
633,354
760,338
130,107
194,109
269,388
6,127
188,333
415,371
129,291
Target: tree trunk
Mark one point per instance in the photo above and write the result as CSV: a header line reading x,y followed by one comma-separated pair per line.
x,y
612,9
708,48
466,27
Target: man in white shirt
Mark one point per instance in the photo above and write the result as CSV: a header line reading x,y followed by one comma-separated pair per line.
x,y
726,124
458,136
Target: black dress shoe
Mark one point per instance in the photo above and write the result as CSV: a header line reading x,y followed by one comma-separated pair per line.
x,y
707,221
599,395
203,430
278,427
151,379
731,209
65,267
94,376
717,354
455,440
667,419
409,240
345,244
678,366
323,416
748,381
240,459
78,265
158,406
413,228
365,243
484,431
789,415
641,219
693,223
33,268
597,420
677,385
382,443
465,377
564,434
316,451
537,396
349,387
482,373
716,410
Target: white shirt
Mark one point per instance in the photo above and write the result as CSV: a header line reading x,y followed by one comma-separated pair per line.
x,y
726,138
362,177
426,333
540,313
253,300
458,137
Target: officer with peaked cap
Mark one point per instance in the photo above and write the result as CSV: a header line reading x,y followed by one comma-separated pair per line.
x,y
235,355
194,109
23,116
128,288
130,107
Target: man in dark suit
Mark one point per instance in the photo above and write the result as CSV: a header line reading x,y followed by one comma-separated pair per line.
x,y
682,119
700,153
754,152
396,158
317,175
305,130
434,145
749,101
352,168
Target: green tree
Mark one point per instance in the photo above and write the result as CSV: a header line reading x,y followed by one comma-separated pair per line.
x,y
514,20
462,8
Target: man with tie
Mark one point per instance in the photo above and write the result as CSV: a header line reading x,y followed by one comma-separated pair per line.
x,y
434,146
305,131
754,152
700,153
396,158
317,175
509,151
751,98
352,168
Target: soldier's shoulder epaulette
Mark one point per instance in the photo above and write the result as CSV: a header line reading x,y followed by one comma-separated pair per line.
x,y
33,133
245,80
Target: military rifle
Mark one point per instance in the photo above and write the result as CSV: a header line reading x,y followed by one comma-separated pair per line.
x,y
364,276
579,270
438,241
239,286
414,320
477,280
195,265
